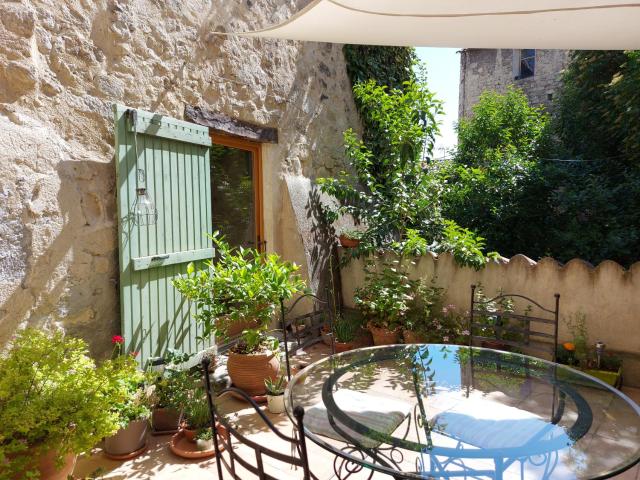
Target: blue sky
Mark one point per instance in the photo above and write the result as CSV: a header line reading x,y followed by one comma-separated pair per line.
x,y
443,77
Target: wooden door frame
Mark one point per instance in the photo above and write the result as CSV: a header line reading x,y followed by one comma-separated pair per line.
x,y
256,154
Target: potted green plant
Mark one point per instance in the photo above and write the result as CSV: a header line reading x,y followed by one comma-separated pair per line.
x,y
275,393
419,325
133,410
384,300
238,286
344,334
196,414
350,238
204,439
579,353
55,402
170,391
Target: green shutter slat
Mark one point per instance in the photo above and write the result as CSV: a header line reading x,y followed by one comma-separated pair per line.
x,y
175,156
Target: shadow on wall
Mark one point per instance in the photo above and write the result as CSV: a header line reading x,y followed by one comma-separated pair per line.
x,y
72,282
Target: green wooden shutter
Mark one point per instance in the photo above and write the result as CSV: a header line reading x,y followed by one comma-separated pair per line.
x,y
175,158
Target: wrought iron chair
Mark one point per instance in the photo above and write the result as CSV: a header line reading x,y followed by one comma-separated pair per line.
x,y
525,337
321,309
225,442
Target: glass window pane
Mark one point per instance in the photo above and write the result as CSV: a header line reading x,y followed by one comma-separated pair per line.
x,y
232,195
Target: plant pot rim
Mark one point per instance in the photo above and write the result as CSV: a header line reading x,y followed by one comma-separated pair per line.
x,y
266,353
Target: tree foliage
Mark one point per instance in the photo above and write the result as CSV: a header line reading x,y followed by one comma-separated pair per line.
x,y
599,110
506,183
396,195
390,66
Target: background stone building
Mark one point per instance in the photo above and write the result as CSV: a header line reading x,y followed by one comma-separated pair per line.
x,y
536,72
63,65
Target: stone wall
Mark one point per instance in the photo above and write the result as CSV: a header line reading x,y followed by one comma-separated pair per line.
x,y
489,69
608,294
62,65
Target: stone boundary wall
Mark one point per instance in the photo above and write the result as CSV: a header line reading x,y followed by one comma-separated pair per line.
x,y
608,294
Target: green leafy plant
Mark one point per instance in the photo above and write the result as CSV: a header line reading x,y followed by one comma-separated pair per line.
x,y
172,387
386,296
577,325
137,403
239,285
275,387
54,397
344,330
352,234
392,190
196,410
204,434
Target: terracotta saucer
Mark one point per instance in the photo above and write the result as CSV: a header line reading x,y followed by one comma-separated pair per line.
x,y
184,448
127,456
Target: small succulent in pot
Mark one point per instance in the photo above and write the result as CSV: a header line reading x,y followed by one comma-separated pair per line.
x,y
275,393
204,439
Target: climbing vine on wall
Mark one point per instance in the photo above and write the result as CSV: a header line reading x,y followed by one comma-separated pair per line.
x,y
390,66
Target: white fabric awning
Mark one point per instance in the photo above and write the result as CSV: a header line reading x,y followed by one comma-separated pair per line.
x,y
563,24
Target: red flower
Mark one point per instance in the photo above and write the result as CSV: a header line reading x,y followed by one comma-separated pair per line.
x,y
117,339
134,354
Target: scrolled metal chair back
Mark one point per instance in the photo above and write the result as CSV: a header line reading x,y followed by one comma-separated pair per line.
x,y
223,439
527,336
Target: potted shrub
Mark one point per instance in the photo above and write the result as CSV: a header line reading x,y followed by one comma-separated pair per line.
x,y
384,300
419,325
239,286
55,403
196,414
344,334
350,238
170,394
275,394
133,410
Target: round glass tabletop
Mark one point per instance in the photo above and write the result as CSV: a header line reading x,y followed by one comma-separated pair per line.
x,y
447,411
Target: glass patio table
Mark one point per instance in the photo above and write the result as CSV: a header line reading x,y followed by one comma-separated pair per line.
x,y
446,411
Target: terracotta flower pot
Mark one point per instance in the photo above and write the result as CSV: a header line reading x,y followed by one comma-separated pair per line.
x,y
248,372
127,440
45,463
165,420
347,242
189,434
344,346
384,336
413,337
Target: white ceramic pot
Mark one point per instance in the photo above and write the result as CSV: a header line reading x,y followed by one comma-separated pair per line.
x,y
275,404
204,444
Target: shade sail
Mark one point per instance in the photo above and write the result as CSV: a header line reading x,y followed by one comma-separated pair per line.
x,y
564,24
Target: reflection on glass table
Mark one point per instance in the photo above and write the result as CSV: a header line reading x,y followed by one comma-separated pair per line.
x,y
446,411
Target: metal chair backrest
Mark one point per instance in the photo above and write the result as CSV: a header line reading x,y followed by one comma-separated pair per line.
x,y
512,329
223,440
321,309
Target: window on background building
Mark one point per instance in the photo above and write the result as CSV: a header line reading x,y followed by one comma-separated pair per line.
x,y
526,63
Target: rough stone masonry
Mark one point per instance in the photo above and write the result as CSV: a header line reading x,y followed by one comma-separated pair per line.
x,y
62,65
